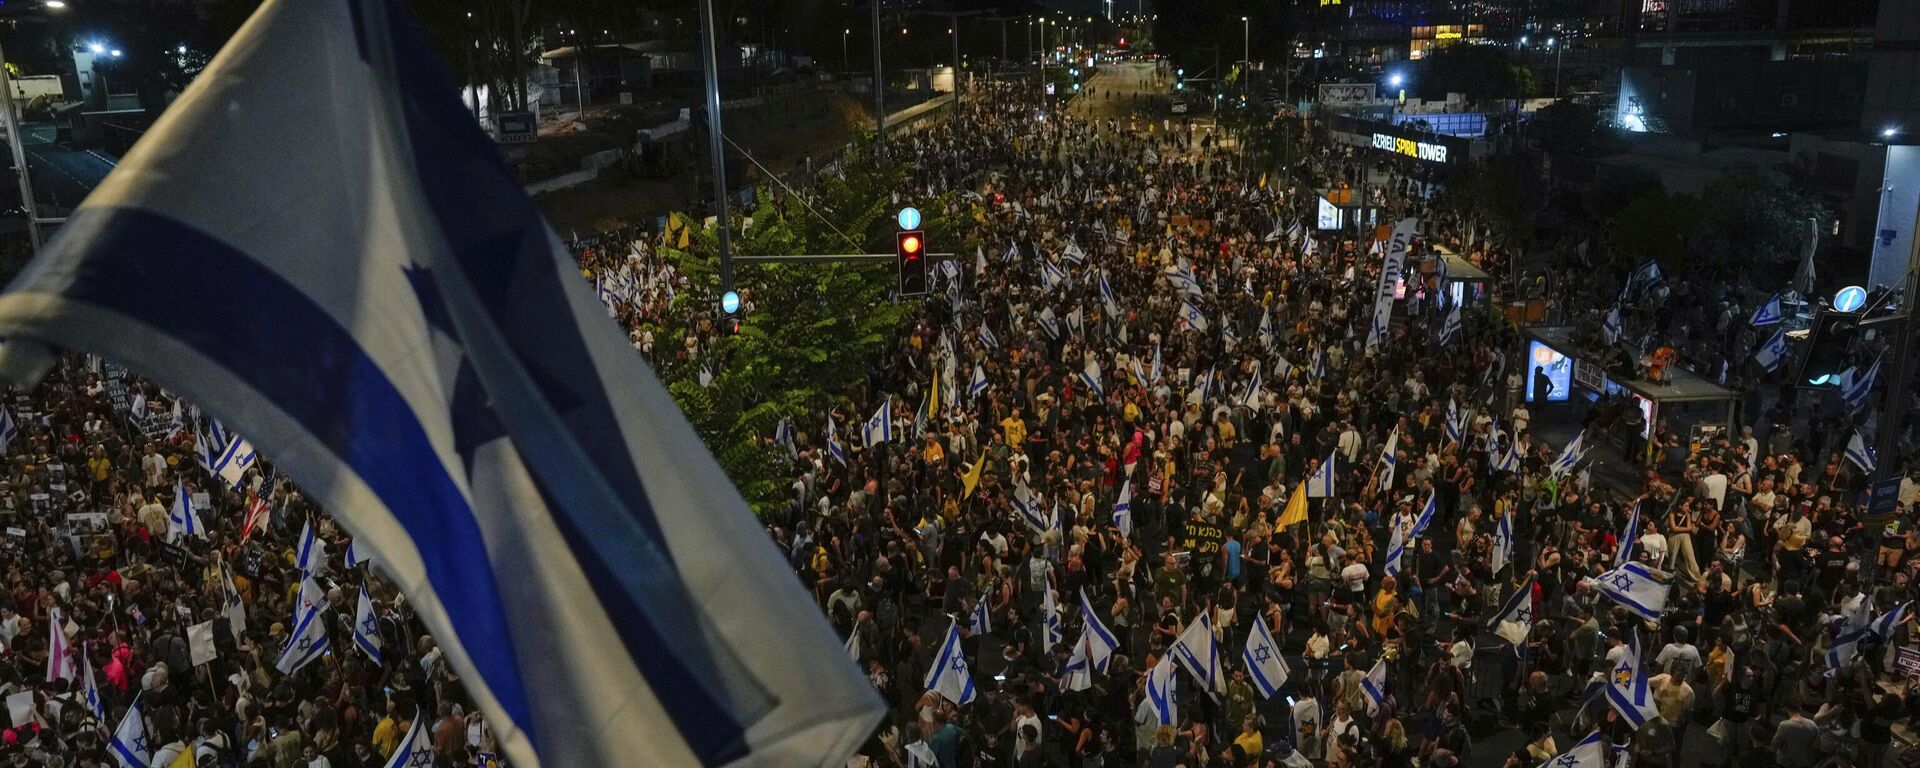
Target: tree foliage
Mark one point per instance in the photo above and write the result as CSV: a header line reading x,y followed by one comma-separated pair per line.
x,y
1566,127
1656,226
1504,193
1480,72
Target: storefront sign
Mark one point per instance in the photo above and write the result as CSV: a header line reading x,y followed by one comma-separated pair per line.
x,y
1418,150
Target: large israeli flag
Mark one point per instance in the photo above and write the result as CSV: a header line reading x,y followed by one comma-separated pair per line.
x,y
1265,664
1627,685
1028,507
1514,619
1861,454
1768,313
1591,752
1502,542
384,314
1641,589
879,429
1102,643
308,641
366,627
183,520
1123,510
949,676
1772,351
1320,483
1570,455
1374,685
416,750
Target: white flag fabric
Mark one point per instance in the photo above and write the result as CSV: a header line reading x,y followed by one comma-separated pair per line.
x,y
200,643
1054,632
1391,273
1514,619
1090,376
1861,454
1193,316
1389,458
456,398
366,628
853,645
308,640
59,656
1160,691
1123,510
91,690
1200,654
8,429
1855,389
1591,752
183,520
1569,455
1265,664
980,621
1078,674
1772,351
1451,327
309,554
1627,685
920,755
1768,313
355,555
416,750
129,744
1025,505
1320,483
1623,552
949,676
233,461
1397,547
1641,589
978,386
231,605
1374,685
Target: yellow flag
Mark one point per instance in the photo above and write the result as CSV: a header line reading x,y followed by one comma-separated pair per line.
x,y
971,478
1296,511
933,399
1263,180
683,237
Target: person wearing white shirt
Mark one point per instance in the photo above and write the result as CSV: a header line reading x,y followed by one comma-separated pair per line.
x,y
1349,444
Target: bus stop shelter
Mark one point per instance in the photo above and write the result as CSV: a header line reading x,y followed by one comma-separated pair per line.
x,y
1687,401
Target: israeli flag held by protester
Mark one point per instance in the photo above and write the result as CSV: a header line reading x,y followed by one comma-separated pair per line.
x,y
1012,252
1591,752
183,520
879,429
1102,642
1049,323
416,750
230,604
1451,327
1265,664
920,755
1515,616
1889,621
978,386
1641,589
456,398
233,462
1569,455
1200,654
1194,316
1845,646
8,429
1769,312
1456,425
366,627
308,640
987,339
1266,330
949,676
1502,542
1509,460
1623,552
1374,685
1646,275
1153,373
1160,691
1107,300
309,555
1123,510
980,622
1077,322
1251,396
1090,376
1769,355
1610,327
1073,254
783,437
1626,689
1055,633
96,705
1317,368
835,448
1854,389
129,743
1397,547
1320,483
1078,674
1029,508
1389,458
1861,454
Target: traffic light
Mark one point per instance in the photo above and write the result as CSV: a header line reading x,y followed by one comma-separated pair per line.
x,y
910,253
731,313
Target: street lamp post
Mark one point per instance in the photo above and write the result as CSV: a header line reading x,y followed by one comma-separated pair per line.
x,y
846,61
1246,57
1557,51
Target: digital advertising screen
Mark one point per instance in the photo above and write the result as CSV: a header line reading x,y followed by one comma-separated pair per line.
x,y
1558,369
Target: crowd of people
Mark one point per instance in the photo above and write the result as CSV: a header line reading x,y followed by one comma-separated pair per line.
x,y
1164,400
1145,352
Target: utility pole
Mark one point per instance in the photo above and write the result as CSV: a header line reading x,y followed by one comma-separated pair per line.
x,y
879,83
1900,380
716,142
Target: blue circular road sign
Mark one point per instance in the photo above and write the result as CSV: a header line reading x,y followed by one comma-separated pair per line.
x,y
730,302
909,218
1849,299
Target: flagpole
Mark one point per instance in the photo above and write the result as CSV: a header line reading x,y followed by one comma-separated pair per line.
x,y
715,141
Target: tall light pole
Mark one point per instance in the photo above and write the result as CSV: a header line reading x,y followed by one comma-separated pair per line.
x,y
1553,42
1246,57
846,61
879,82
716,142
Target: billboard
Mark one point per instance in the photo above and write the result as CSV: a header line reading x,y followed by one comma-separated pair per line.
x,y
1328,215
1557,368
1346,94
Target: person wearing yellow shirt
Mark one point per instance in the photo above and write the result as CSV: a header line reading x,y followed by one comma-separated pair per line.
x,y
386,735
1249,740
933,453
1014,428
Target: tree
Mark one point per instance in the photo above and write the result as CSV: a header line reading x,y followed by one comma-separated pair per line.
x,y
1503,193
1656,226
1758,220
1566,127
1480,72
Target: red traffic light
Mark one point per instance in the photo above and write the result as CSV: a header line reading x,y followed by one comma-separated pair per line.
x,y
910,244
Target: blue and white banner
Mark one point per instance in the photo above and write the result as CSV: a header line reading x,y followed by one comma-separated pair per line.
x,y
1861,454
1514,619
949,675
1854,389
980,622
1627,685
454,396
1265,664
1641,589
1570,456
183,520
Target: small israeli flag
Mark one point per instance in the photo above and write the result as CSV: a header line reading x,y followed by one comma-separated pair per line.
x,y
1768,313
1425,518
1887,622
1250,397
1641,589
8,429
1389,458
1123,510
1591,752
1049,323
1397,547
987,339
835,449
1227,333
308,640
1451,327
1028,508
1647,275
1456,425
129,744
1266,330
1090,376
920,755
1374,685
1153,372
1053,632
1160,691
1051,276
949,675
95,705
1854,390
1320,483
1516,610
1610,327
1077,322
783,437
1012,252
1193,316
355,555
1509,461
1265,664
416,750
366,627
1107,299
879,429
309,555
1861,454
1318,368
1072,253
1626,689
980,622
1772,351
978,386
